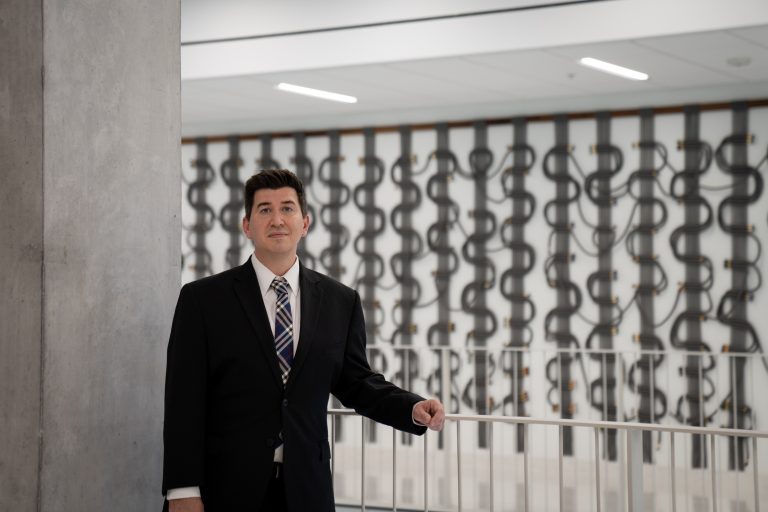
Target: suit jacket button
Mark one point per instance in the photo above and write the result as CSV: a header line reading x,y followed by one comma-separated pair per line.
x,y
270,442
285,402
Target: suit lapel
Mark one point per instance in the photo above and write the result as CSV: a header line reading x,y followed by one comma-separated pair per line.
x,y
311,298
248,292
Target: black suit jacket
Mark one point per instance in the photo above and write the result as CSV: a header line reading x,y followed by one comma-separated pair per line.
x,y
224,400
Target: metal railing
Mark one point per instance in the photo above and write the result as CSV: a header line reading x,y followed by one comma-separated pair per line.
x,y
631,474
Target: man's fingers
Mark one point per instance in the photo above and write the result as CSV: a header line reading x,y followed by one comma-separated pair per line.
x,y
430,414
421,415
437,420
438,415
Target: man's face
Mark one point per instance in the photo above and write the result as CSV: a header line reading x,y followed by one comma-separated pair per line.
x,y
276,224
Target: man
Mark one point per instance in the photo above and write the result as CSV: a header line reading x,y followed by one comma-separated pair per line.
x,y
253,354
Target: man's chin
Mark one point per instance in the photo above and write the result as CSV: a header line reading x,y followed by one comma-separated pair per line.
x,y
279,249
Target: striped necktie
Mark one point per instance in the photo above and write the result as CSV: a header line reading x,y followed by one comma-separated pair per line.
x,y
283,327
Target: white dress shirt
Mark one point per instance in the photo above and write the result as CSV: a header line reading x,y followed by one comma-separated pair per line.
x,y
265,278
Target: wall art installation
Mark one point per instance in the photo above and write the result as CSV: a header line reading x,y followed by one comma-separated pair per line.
x,y
603,267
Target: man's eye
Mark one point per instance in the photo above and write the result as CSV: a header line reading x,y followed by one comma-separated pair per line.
x,y
264,210
288,209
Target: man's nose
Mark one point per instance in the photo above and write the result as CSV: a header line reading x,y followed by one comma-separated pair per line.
x,y
277,219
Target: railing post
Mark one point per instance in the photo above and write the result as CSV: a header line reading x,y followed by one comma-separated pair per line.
x,y
560,466
426,507
635,470
621,434
394,470
526,479
362,464
597,469
458,458
755,473
672,470
713,461
333,447
703,441
490,458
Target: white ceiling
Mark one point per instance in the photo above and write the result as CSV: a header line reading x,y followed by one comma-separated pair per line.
x,y
684,68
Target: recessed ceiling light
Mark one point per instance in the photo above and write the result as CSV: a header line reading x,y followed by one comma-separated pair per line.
x,y
316,93
613,69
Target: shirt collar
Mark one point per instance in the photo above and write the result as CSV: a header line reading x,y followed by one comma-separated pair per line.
x,y
266,276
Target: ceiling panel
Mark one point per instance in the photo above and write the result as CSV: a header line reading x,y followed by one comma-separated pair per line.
x,y
758,35
481,77
228,90
409,82
713,50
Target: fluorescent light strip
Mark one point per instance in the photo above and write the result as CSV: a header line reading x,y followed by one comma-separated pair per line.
x,y
613,69
316,93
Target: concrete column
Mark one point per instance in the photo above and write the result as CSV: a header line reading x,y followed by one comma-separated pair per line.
x,y
90,253
21,249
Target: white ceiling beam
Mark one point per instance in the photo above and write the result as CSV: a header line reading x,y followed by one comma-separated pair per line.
x,y
206,20
542,28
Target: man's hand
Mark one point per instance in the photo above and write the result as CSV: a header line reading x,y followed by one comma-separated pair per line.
x,y
429,413
185,505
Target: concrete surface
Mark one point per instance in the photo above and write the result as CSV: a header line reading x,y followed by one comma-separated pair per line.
x,y
21,242
91,231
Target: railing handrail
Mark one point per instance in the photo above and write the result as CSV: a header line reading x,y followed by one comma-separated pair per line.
x,y
621,425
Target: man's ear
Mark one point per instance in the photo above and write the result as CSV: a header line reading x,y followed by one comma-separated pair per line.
x,y
246,224
307,222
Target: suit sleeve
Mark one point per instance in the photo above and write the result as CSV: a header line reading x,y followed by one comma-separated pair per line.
x,y
185,393
368,392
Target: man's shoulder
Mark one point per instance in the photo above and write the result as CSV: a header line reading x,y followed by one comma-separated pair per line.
x,y
328,283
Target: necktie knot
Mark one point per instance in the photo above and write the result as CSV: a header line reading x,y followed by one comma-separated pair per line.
x,y
280,285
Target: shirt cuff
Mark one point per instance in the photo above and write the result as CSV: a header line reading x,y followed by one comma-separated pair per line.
x,y
414,419
182,492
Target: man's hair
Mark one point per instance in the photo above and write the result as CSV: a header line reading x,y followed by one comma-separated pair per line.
x,y
274,179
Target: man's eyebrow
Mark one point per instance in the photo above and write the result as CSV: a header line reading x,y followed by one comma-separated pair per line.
x,y
266,203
